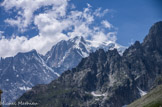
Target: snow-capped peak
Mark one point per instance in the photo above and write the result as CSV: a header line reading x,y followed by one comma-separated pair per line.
x,y
68,53
91,45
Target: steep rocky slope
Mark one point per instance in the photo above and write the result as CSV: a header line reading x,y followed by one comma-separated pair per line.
x,y
106,79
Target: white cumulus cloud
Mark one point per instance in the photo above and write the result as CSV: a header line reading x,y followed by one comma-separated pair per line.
x,y
52,25
106,24
26,9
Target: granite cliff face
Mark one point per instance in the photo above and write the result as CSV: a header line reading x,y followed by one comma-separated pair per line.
x,y
106,79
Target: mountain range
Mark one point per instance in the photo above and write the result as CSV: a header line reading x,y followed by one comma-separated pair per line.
x,y
20,73
106,78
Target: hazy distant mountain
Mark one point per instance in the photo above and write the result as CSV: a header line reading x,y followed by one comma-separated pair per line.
x,y
106,79
21,72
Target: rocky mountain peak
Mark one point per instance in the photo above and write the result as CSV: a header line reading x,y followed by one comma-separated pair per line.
x,y
153,39
156,28
78,38
30,53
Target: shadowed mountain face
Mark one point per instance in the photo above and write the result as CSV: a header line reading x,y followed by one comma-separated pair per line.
x,y
106,79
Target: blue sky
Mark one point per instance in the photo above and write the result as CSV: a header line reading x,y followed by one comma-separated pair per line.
x,y
39,24
133,18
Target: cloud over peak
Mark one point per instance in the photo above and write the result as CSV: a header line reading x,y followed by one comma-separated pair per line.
x,y
54,24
